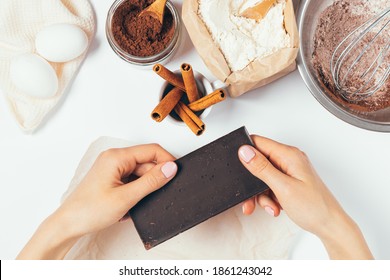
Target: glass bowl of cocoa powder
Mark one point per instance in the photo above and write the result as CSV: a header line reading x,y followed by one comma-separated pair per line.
x,y
142,40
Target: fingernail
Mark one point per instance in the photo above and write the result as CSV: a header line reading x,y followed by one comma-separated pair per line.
x,y
270,211
244,208
124,219
169,169
246,153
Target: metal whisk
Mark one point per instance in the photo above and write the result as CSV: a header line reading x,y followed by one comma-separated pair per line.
x,y
354,75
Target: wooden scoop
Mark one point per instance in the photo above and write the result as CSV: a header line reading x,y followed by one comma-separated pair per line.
x,y
258,11
156,10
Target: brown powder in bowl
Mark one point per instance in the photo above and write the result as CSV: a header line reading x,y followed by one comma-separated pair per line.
x,y
335,23
141,36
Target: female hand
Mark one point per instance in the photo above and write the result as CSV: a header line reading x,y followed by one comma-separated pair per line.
x,y
299,191
102,199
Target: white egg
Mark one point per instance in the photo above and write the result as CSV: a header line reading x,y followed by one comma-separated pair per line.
x,y
34,76
61,42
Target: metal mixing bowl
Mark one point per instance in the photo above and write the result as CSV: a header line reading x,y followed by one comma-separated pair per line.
x,y
309,12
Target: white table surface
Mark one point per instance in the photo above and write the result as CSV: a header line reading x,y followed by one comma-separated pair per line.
x,y
110,98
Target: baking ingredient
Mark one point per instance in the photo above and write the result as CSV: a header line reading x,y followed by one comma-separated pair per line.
x,y
169,76
61,42
189,82
178,105
167,104
190,118
208,100
335,23
242,40
209,181
141,35
34,76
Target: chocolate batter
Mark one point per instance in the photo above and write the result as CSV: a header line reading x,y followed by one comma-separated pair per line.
x,y
335,23
141,36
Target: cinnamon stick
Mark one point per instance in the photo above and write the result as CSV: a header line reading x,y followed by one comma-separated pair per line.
x,y
167,104
189,82
208,100
190,119
169,76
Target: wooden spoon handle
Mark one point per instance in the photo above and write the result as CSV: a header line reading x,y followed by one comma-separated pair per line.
x,y
156,10
258,11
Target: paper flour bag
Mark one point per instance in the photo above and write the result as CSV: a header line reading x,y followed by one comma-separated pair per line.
x,y
229,43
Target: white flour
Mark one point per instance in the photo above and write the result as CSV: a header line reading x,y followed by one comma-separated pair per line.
x,y
242,40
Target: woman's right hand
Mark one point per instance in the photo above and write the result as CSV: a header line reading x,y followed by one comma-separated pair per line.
x,y
299,191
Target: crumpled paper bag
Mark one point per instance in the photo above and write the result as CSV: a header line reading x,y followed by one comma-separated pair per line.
x,y
229,235
20,21
259,72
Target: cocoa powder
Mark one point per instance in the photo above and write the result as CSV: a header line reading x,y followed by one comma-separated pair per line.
x,y
335,23
141,35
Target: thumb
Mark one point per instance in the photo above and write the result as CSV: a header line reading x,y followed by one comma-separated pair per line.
x,y
262,168
152,180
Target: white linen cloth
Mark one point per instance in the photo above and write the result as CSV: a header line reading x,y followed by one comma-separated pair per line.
x,y
229,235
20,21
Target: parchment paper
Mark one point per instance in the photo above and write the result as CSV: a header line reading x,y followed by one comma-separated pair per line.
x,y
229,235
259,72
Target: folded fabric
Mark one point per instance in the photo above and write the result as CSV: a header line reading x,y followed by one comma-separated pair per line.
x,y
20,21
229,235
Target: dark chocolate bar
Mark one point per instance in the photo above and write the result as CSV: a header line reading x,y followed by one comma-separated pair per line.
x,y
209,181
